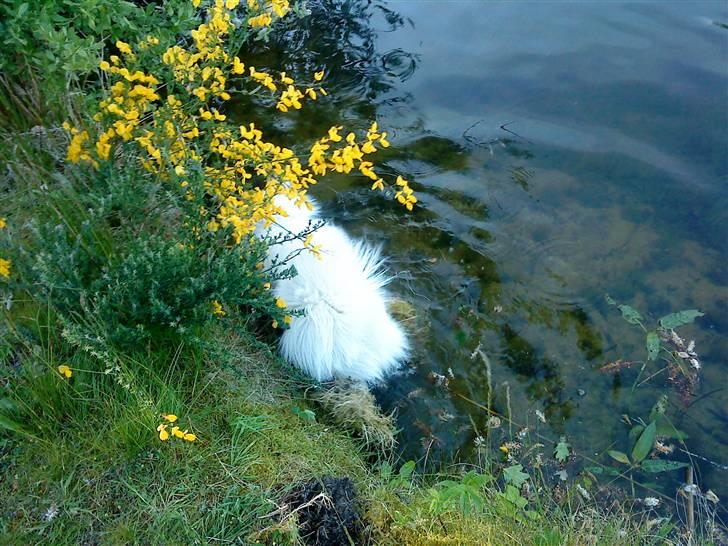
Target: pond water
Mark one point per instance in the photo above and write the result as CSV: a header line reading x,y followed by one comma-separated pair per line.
x,y
560,152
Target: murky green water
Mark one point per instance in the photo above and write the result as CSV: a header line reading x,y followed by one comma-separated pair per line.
x,y
560,151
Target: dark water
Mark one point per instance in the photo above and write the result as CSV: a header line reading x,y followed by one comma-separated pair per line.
x,y
560,152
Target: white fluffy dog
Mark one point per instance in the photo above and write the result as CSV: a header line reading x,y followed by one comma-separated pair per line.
x,y
345,330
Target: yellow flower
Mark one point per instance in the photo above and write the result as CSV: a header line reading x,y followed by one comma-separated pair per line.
x,y
177,433
288,319
274,324
5,267
266,286
190,437
65,371
334,134
196,3
504,449
217,309
318,76
3,223
378,185
281,303
238,67
171,417
232,4
123,47
179,170
163,434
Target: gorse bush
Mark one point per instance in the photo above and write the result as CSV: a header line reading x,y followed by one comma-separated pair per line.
x,y
151,228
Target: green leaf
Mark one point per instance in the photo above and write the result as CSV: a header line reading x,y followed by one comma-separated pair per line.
x,y
515,475
618,456
653,345
630,314
668,430
654,466
673,320
406,470
635,431
561,452
644,445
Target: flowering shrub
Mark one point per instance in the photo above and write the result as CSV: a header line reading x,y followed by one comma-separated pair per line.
x,y
159,129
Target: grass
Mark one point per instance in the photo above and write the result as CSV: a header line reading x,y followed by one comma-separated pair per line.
x,y
85,464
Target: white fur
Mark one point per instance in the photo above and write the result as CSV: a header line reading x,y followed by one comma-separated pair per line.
x,y
345,330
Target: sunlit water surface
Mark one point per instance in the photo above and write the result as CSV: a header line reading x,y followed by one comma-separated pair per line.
x,y
560,152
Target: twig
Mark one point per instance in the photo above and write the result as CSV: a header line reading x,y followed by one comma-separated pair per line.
x,y
690,503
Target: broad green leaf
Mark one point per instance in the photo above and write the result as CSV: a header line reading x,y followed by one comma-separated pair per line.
x,y
515,475
673,320
406,470
618,456
653,345
644,445
668,430
630,314
654,466
561,452
635,432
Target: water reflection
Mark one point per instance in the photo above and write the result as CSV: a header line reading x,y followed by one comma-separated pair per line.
x,y
559,152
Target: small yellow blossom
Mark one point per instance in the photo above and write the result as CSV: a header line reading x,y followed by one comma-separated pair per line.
x,y
3,223
266,286
5,267
65,371
281,303
171,417
274,324
217,309
190,437
177,433
123,47
238,67
196,3
163,434
288,319
180,170
318,76
334,134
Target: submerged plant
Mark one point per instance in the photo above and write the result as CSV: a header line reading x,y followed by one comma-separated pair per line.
x,y
663,342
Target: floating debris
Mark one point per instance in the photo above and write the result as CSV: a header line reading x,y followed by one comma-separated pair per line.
x,y
617,365
438,380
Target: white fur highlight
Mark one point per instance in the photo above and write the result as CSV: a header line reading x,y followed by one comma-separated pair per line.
x,y
345,331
